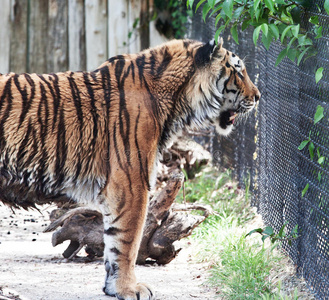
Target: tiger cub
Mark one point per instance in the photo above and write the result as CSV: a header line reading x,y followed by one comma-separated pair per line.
x,y
95,136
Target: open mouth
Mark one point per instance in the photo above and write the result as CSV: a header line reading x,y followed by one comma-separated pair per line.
x,y
227,118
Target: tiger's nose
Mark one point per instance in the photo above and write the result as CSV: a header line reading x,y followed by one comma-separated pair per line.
x,y
257,96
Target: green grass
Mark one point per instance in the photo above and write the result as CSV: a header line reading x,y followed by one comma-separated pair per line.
x,y
216,189
239,267
242,270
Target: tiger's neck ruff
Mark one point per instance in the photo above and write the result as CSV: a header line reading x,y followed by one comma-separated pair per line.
x,y
191,84
95,136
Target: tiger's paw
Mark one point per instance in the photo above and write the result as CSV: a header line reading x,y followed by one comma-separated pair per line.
x,y
141,292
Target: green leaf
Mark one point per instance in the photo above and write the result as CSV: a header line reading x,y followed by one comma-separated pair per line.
x,y
251,12
275,30
264,237
217,20
256,4
305,189
295,30
303,144
234,32
264,28
212,3
218,32
318,114
318,32
215,10
189,3
269,4
280,234
285,32
281,56
136,23
311,150
228,8
291,42
326,6
301,55
318,74
268,230
267,40
312,52
314,20
294,231
199,4
292,54
321,160
205,10
259,230
237,13
256,34
257,13
304,41
245,24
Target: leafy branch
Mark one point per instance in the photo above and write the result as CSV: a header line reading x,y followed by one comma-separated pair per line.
x,y
278,20
314,152
281,236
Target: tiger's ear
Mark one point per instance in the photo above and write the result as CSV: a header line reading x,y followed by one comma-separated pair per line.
x,y
205,53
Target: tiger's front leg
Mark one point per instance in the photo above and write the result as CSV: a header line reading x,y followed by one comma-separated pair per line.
x,y
124,217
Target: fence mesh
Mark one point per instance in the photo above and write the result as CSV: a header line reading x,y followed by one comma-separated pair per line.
x,y
266,146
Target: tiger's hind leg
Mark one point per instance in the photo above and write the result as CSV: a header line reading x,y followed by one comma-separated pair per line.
x,y
124,211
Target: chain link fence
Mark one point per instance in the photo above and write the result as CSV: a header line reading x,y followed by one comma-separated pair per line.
x,y
263,151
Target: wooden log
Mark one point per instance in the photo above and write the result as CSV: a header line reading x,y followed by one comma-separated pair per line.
x,y
82,226
165,224
175,227
18,41
96,33
38,37
77,35
5,36
57,59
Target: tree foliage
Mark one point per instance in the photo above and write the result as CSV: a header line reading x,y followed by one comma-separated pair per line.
x,y
277,20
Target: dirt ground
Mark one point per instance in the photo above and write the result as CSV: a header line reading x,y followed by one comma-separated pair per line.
x,y
30,268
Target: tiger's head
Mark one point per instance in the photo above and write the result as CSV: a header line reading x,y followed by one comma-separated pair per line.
x,y
221,87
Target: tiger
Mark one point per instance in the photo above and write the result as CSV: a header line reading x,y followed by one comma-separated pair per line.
x,y
96,137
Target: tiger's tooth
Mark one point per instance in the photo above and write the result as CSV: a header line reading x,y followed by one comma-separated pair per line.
x,y
233,117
